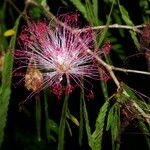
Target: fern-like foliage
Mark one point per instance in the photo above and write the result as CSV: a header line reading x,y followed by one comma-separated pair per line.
x,y
5,89
97,135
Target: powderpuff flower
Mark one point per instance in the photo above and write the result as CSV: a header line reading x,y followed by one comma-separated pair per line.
x,y
55,57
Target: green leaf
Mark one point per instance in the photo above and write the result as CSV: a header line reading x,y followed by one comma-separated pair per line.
x,y
146,130
110,118
3,40
125,15
135,39
129,91
99,127
134,97
73,119
52,125
141,107
113,123
62,126
115,127
87,126
5,89
103,34
95,8
127,20
104,89
90,12
117,18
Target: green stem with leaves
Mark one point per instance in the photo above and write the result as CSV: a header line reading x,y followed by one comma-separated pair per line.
x,y
5,88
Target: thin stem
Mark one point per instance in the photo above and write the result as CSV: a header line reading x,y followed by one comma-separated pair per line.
x,y
142,113
62,126
81,118
114,26
38,117
110,68
130,71
107,66
46,114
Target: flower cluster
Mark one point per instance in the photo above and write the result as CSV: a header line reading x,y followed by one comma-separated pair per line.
x,y
59,55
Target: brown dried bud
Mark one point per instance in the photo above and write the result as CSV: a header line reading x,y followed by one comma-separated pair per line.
x,y
145,36
145,43
128,115
33,79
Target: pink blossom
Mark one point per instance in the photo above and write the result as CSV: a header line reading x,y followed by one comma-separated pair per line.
x,y
59,54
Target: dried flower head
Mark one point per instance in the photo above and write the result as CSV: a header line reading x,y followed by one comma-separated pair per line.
x,y
33,79
145,36
59,56
145,43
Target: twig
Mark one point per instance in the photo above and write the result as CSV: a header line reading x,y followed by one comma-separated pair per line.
x,y
129,70
142,113
114,26
107,66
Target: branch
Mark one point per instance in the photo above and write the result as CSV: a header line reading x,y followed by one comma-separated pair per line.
x,y
142,113
129,70
110,70
107,66
114,26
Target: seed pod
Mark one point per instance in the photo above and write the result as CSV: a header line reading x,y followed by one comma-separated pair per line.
x,y
33,79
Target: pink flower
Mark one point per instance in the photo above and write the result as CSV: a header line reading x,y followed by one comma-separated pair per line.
x,y
59,54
